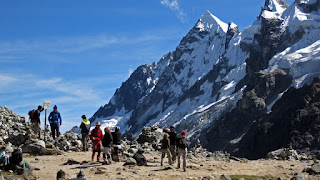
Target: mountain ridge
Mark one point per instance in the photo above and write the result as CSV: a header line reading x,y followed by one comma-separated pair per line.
x,y
218,81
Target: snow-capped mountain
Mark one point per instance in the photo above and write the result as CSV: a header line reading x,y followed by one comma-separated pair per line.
x,y
219,81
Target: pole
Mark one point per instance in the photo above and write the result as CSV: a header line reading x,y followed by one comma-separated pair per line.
x,y
45,124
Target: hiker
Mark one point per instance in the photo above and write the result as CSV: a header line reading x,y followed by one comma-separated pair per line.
x,y
4,158
165,148
55,122
85,129
173,142
182,150
96,137
35,120
116,135
107,142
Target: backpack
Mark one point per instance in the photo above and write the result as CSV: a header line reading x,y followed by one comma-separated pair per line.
x,y
16,157
85,128
31,115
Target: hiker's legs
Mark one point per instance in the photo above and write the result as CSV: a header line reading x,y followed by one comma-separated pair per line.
x,y
169,156
173,152
179,155
57,130
93,153
99,154
35,126
53,132
85,141
116,151
184,158
108,152
162,156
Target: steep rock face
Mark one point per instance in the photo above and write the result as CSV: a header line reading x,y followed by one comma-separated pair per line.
x,y
295,124
276,34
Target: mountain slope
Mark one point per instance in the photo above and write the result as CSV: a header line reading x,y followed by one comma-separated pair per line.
x,y
219,81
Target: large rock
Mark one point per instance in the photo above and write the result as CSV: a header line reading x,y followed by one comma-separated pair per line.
x,y
140,158
34,148
314,170
299,176
130,161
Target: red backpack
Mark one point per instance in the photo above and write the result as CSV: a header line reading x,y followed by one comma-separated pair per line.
x,y
31,115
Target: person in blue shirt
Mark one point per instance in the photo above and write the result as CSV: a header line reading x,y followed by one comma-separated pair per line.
x,y
55,122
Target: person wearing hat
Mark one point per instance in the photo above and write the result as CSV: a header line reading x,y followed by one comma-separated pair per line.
x,y
55,122
35,121
182,145
96,136
85,129
173,142
107,142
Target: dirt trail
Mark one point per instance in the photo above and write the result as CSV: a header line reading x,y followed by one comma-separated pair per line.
x,y
49,165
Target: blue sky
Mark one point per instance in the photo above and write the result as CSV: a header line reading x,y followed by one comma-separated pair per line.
x,y
76,53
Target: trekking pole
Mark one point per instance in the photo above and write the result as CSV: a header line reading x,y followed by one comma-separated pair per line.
x,y
45,125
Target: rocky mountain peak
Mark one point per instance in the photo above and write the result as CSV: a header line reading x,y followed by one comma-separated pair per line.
x,y
209,22
275,5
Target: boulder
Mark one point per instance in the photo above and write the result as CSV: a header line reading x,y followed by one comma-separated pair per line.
x,y
140,158
130,161
314,170
34,148
299,176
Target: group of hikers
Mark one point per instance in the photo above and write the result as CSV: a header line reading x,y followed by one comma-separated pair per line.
x,y
55,121
101,141
174,146
108,142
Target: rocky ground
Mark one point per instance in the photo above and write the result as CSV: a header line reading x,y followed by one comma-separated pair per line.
x,y
197,169
65,153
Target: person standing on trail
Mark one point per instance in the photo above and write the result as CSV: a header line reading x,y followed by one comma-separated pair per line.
x,y
173,142
96,137
107,142
116,135
182,150
55,122
35,120
85,129
165,146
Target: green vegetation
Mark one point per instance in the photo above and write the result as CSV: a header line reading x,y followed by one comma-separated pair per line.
x,y
11,176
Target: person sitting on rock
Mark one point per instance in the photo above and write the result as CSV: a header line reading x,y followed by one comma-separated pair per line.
x,y
116,135
55,122
165,148
4,158
96,137
107,142
85,129
182,150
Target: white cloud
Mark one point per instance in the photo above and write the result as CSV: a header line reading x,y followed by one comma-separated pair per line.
x,y
130,72
174,6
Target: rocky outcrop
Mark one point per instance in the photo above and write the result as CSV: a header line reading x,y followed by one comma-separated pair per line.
x,y
262,90
294,122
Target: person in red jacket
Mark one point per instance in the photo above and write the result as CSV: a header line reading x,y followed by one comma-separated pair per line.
x,y
96,136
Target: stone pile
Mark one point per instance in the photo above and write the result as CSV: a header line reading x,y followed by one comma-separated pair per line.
x,y
151,135
15,131
287,154
199,153
13,128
